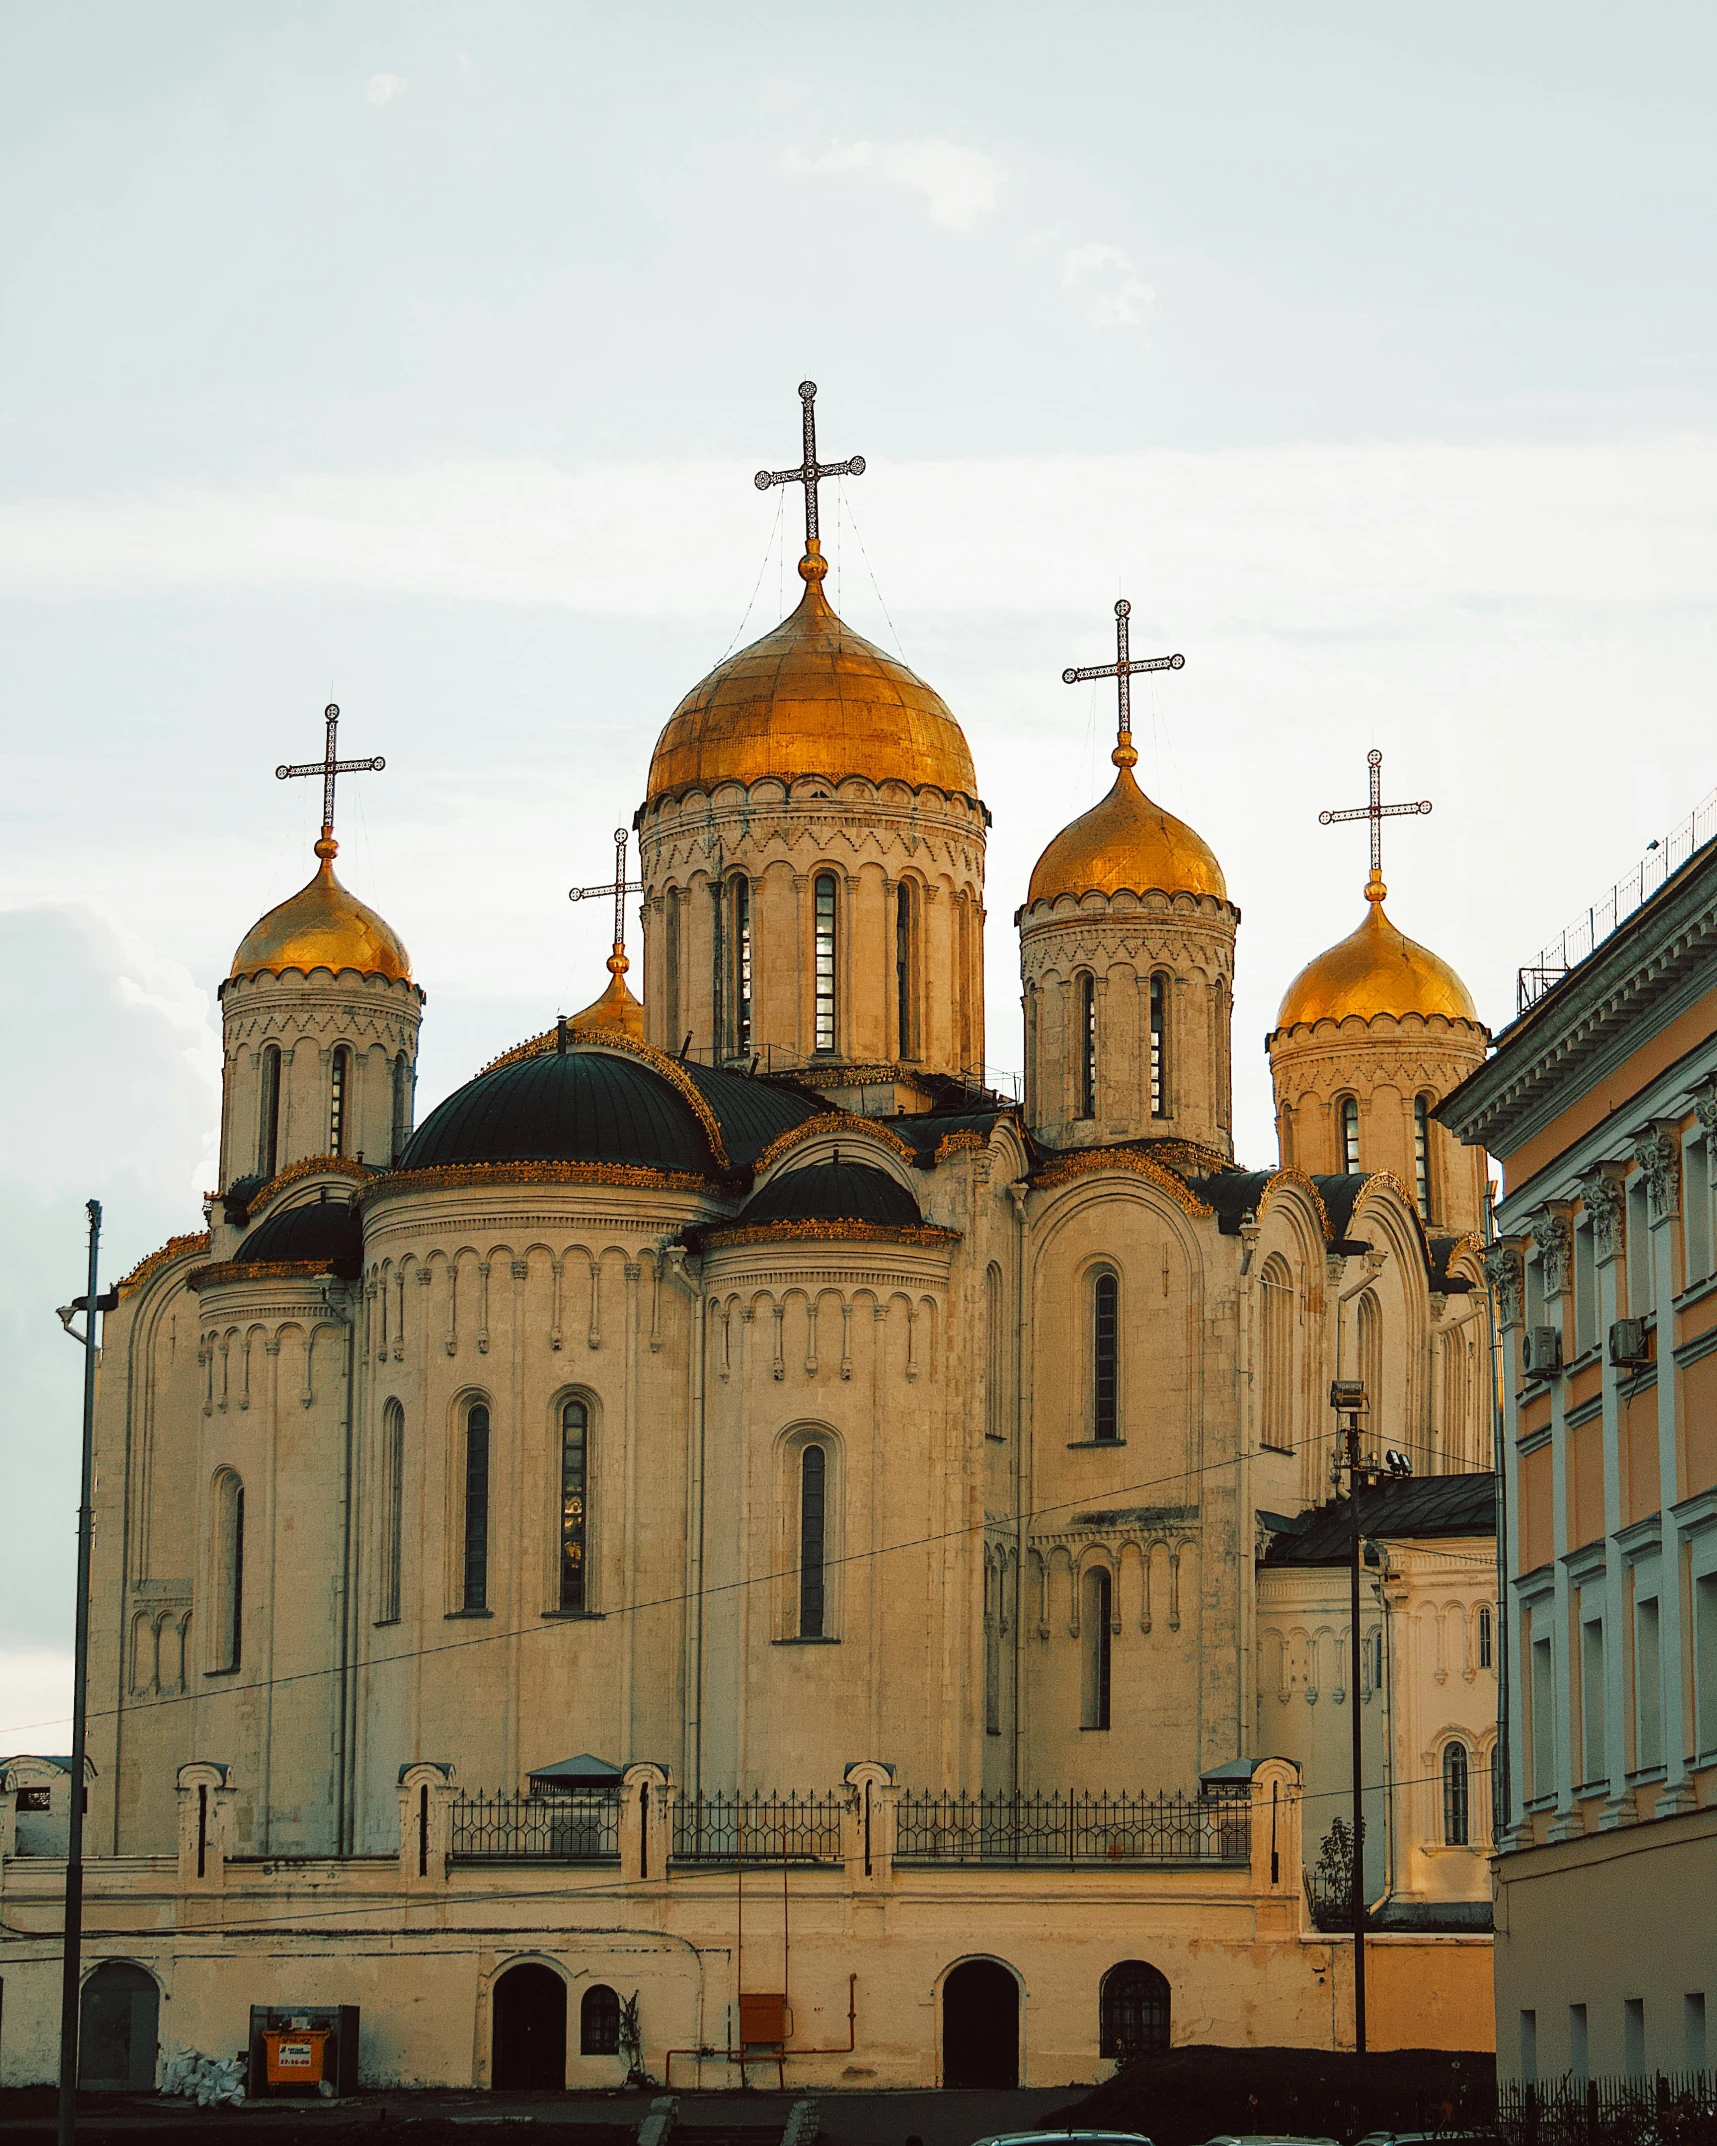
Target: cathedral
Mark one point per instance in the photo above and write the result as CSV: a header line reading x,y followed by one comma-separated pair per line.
x,y
729,1549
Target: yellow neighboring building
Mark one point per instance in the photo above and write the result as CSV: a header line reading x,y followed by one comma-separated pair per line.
x,y
731,1511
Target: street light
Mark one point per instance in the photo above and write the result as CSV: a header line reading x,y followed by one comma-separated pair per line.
x,y
1347,1397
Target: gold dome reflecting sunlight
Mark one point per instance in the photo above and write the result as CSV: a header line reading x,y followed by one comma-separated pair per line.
x,y
1375,970
616,1011
811,698
322,926
1126,842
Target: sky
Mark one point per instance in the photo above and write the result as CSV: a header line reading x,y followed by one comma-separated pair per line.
x,y
419,356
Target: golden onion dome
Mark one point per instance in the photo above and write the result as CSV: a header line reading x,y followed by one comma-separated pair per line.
x,y
1376,970
1126,842
323,926
811,698
616,1011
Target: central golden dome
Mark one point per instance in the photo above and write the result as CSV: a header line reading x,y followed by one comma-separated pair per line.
x,y
323,926
811,698
1126,842
1376,969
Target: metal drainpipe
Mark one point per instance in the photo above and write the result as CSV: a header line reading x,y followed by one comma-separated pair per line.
x,y
1502,1652
1387,1689
343,1814
695,1537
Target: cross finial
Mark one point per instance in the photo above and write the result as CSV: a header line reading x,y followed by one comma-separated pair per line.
x,y
810,472
620,886
1122,670
1376,812
328,767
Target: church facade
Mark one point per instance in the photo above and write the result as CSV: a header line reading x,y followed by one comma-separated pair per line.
x,y
729,1511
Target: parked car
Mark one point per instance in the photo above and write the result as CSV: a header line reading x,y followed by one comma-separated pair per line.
x,y
1067,2138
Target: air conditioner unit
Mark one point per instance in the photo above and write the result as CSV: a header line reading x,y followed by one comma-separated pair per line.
x,y
1543,1351
1630,1342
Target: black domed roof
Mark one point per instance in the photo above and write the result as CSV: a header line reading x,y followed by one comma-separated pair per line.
x,y
832,1191
596,1105
326,1233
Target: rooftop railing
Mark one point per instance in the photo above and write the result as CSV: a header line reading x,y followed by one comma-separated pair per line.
x,y
1032,1827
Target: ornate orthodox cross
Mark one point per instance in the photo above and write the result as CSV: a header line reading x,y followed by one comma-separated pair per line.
x,y
810,472
330,766
1376,812
620,886
1122,670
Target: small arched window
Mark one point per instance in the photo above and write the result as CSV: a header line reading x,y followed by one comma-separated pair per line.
x,y
1456,1814
268,1129
574,1502
392,1512
1135,2011
1159,1046
1368,1328
1422,1155
1087,1044
1105,1355
1485,1658
339,1099
813,1540
1374,1659
995,1354
741,887
1349,1108
671,960
905,997
826,1005
474,1592
1097,1609
401,1105
229,1571
599,2022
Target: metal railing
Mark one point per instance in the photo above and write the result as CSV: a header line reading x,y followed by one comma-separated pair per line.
x,y
718,1827
574,1829
1032,1827
1662,2109
1589,932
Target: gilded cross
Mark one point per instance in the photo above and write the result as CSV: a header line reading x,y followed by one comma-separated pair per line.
x,y
1123,670
810,472
619,886
330,766
1376,812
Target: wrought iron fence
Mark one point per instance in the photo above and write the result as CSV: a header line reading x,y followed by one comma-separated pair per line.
x,y
718,1827
1667,2109
1034,1827
575,1829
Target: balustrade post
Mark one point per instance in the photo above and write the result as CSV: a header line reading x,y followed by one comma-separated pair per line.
x,y
646,1824
426,1798
206,1798
1277,1850
867,1825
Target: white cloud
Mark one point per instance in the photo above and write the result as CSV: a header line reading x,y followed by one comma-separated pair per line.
x,y
1108,282
958,185
35,1700
383,89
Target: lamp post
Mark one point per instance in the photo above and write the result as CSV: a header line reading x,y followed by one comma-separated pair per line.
x,y
72,1969
1347,1398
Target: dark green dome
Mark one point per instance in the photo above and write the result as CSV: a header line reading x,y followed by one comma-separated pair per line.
x,y
588,1104
326,1233
832,1191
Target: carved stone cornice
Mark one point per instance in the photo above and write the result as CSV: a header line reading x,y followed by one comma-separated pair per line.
x,y
1705,1104
147,1268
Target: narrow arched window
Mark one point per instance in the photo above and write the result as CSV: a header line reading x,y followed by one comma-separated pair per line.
x,y
995,1356
1368,1327
1087,1044
1276,1320
1134,2011
823,923
401,1105
813,1536
1097,1608
1105,1355
671,962
903,992
1350,1134
229,1571
268,1130
1456,1818
474,1594
1422,1156
392,1501
1484,1636
339,1099
1159,1047
741,963
599,2022
1374,1659
574,1502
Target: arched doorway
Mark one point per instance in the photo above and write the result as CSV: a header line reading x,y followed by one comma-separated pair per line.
x,y
980,2026
118,2028
529,2031
1135,2011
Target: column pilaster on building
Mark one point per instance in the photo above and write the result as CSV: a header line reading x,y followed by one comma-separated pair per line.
x,y
206,1823
646,1823
867,1830
426,1798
